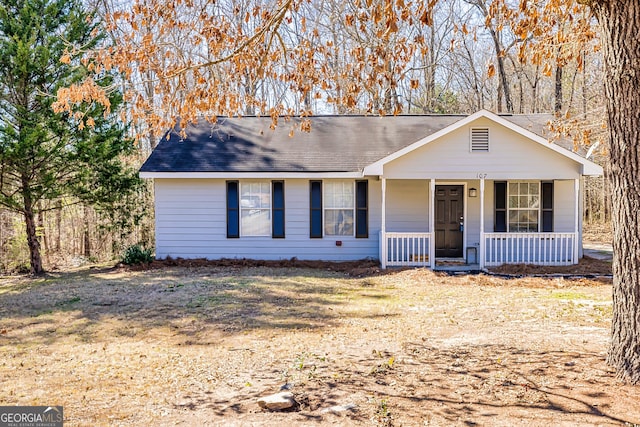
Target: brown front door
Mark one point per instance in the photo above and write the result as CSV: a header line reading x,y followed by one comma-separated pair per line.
x,y
449,204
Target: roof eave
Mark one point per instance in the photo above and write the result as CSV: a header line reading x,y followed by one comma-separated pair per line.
x,y
251,175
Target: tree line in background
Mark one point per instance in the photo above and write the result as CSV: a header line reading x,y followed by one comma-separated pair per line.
x,y
470,57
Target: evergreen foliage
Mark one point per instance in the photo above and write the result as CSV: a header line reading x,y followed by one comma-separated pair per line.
x,y
46,155
136,254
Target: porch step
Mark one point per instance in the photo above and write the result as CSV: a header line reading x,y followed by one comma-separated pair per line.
x,y
463,268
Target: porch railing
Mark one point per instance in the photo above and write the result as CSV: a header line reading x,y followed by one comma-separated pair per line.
x,y
529,248
405,249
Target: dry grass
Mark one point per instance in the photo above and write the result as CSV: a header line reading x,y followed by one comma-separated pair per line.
x,y
586,266
197,345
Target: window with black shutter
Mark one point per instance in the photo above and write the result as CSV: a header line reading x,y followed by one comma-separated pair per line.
x,y
277,209
362,209
233,210
315,209
547,206
500,198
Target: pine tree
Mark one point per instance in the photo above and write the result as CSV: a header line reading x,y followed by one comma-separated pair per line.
x,y
46,155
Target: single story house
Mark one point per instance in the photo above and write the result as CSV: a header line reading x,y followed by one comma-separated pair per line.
x,y
484,189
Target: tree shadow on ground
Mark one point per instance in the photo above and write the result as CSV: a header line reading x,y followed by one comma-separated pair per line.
x,y
462,385
191,303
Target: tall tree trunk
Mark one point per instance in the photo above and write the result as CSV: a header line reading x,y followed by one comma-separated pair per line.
x,y
620,25
32,235
44,240
86,235
558,90
58,225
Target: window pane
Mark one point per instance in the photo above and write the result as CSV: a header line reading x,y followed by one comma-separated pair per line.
x,y
523,216
255,195
513,201
255,208
338,195
256,222
523,202
524,205
329,197
338,222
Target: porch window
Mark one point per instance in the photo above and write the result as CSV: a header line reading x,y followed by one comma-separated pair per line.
x,y
523,206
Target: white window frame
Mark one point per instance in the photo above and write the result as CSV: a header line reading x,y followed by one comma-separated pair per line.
x,y
538,209
325,208
269,209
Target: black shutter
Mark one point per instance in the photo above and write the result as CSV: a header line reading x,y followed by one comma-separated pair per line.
x,y
277,210
500,196
362,209
233,210
547,206
315,209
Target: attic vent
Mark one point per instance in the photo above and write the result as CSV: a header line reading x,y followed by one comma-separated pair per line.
x,y
480,140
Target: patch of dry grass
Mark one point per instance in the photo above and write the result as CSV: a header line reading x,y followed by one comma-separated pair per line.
x,y
197,345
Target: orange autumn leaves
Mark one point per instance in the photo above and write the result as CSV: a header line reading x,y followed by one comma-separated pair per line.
x,y
199,58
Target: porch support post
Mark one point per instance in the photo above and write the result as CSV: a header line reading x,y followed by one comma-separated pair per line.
x,y
576,192
432,224
481,254
383,226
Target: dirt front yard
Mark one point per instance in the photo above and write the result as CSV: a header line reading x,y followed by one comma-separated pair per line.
x,y
199,346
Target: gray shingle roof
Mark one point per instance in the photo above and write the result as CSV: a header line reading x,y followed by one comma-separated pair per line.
x,y
335,143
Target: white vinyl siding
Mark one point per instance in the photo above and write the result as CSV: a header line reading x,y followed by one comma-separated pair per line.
x,y
191,223
407,205
512,157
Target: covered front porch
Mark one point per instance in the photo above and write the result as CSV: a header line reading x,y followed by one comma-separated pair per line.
x,y
444,222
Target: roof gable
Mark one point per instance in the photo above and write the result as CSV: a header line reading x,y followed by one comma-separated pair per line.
x,y
588,167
